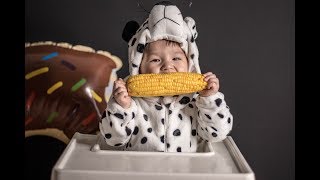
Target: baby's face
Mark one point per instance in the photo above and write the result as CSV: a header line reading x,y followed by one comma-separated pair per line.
x,y
161,57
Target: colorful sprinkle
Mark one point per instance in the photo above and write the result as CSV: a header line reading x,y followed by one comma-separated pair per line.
x,y
68,65
88,119
28,121
78,84
30,100
49,56
96,96
54,87
37,72
52,116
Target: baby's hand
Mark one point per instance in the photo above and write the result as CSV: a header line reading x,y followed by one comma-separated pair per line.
x,y
213,85
120,93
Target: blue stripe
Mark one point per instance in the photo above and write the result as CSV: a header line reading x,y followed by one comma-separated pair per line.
x,y
50,56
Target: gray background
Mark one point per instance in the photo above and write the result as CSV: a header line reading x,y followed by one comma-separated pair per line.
x,y
248,44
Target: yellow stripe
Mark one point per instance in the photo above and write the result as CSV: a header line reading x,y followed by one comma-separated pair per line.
x,y
36,72
54,87
96,96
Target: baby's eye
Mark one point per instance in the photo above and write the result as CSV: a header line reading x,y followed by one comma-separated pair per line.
x,y
155,60
176,58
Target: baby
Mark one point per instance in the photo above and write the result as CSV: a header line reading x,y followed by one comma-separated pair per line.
x,y
165,43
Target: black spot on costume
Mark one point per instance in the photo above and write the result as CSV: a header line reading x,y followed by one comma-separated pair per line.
x,y
176,132
136,130
220,115
144,140
128,131
158,107
218,102
184,100
118,115
140,48
145,117
108,136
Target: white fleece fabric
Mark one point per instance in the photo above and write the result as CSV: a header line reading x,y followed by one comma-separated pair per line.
x,y
170,123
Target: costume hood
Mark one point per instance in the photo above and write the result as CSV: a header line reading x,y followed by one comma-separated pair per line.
x,y
165,21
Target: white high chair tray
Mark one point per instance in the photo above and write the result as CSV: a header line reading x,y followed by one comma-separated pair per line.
x,y
83,159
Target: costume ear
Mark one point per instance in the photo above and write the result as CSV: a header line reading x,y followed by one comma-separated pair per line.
x,y
192,26
129,30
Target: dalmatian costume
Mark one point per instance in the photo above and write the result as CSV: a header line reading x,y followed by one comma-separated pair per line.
x,y
170,123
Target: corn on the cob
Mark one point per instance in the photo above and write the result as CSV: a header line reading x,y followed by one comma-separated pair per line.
x,y
167,84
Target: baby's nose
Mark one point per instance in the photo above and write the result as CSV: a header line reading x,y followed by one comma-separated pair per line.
x,y
167,65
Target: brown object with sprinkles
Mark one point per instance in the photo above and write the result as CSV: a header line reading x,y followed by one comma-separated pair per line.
x,y
56,77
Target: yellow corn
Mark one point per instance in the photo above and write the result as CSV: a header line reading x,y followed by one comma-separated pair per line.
x,y
167,84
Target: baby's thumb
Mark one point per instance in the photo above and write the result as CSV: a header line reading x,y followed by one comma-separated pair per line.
x,y
120,79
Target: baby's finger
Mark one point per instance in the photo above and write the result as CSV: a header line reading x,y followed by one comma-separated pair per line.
x,y
207,74
122,94
210,85
119,90
213,80
121,81
117,84
210,76
216,81
125,93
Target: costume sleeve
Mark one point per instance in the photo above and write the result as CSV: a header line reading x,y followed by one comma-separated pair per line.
x,y
117,123
214,117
